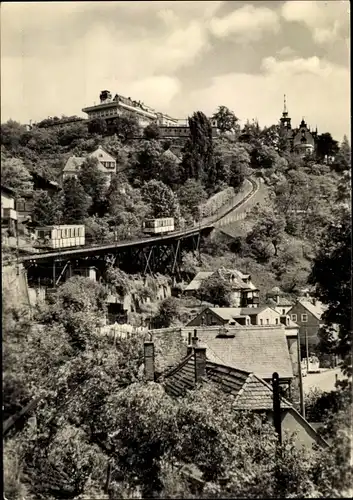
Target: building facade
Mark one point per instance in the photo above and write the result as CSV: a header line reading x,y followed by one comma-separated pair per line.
x,y
302,140
106,164
308,316
111,107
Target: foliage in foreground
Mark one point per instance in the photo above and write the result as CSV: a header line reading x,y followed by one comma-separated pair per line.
x,y
96,414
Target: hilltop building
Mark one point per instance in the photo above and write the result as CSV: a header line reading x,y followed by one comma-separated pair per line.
x,y
302,140
110,108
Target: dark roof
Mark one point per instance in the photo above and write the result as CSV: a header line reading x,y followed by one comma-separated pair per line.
x,y
250,392
262,350
7,190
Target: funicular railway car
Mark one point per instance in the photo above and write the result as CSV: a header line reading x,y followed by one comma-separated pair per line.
x,y
159,226
63,236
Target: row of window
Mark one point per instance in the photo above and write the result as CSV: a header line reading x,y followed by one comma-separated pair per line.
x,y
72,232
108,164
105,112
304,318
159,222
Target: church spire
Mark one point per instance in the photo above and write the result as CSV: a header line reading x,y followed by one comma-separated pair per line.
x,y
285,120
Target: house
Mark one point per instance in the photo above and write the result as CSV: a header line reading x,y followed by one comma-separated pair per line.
x,y
106,164
308,315
249,392
8,212
221,316
279,303
244,293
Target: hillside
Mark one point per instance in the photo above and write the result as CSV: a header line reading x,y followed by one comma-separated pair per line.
x,y
275,243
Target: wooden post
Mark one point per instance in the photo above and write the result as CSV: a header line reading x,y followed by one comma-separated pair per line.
x,y
277,406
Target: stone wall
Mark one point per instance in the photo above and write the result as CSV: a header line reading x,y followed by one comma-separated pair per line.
x,y
170,347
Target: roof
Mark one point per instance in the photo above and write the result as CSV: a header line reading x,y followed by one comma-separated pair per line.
x,y
169,154
198,279
73,164
229,313
7,190
237,279
102,155
283,301
250,391
316,310
303,133
262,350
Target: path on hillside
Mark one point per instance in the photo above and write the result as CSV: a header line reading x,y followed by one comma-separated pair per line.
x,y
232,223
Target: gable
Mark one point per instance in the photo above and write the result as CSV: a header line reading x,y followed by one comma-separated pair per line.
x,y
102,155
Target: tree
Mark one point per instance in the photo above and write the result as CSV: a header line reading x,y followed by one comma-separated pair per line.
x,y
47,209
97,126
168,312
76,202
330,274
226,120
191,195
126,127
151,132
268,230
342,160
94,183
215,290
198,155
148,161
163,202
326,146
16,176
11,134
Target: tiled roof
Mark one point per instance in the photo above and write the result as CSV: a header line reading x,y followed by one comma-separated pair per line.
x,y
182,378
250,392
73,163
198,279
316,310
261,350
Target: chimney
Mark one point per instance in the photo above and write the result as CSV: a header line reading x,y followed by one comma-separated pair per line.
x,y
200,362
149,361
283,320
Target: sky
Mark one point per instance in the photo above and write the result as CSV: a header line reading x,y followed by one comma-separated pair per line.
x,y
179,57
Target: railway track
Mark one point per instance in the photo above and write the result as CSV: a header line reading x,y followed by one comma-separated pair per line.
x,y
211,222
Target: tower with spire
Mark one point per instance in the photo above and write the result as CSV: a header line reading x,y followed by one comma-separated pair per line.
x,y
285,120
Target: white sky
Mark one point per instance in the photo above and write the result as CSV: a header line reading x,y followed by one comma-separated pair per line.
x,y
179,57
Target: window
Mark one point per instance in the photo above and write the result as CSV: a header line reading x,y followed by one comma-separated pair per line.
x,y
293,317
261,321
304,318
267,321
276,321
283,311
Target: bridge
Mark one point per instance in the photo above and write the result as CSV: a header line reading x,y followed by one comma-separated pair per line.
x,y
147,255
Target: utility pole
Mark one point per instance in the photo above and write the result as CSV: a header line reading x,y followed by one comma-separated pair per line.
x,y
307,348
300,378
277,406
